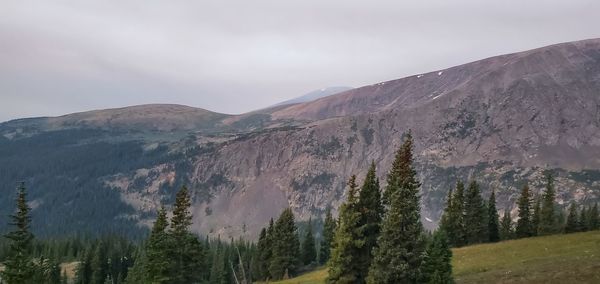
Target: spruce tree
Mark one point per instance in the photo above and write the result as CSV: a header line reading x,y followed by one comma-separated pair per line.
x,y
370,207
506,227
18,265
535,218
548,216
265,250
456,226
475,215
572,224
594,219
329,226
493,230
286,251
187,253
523,229
445,220
262,272
582,222
99,264
437,266
343,263
158,250
399,253
309,249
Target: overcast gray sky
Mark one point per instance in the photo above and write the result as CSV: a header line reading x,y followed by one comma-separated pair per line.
x,y
58,57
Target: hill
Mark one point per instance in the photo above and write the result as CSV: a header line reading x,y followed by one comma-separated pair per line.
x,y
501,120
573,258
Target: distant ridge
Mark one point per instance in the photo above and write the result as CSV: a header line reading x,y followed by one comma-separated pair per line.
x,y
315,95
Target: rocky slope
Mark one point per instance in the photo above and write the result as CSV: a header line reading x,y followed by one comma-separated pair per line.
x,y
501,120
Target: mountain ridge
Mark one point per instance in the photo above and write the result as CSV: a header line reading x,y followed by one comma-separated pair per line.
x,y
500,120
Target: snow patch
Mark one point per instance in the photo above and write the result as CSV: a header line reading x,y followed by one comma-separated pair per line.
x,y
436,97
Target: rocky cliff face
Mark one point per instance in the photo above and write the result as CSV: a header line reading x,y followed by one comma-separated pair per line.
x,y
501,120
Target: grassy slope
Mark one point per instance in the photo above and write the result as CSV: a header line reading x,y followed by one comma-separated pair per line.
x,y
554,259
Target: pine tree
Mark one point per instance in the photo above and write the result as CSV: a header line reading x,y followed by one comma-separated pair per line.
x,y
286,251
475,215
437,266
445,220
187,260
535,218
506,227
398,256
343,264
572,224
18,265
523,229
265,250
370,207
99,264
493,230
262,272
582,222
329,226
158,249
456,226
548,224
309,249
594,219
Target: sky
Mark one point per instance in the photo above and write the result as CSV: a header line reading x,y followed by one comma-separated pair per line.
x,y
59,57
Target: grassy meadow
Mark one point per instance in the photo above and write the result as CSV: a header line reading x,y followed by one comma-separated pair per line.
x,y
573,258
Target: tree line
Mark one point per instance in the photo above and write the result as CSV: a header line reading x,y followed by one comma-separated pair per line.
x,y
377,237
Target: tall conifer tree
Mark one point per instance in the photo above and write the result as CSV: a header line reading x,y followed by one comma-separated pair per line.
x,y
262,272
286,250
548,222
158,250
493,230
582,221
523,229
343,264
456,228
187,259
309,249
475,215
19,266
329,226
572,224
437,267
371,210
400,248
445,220
99,264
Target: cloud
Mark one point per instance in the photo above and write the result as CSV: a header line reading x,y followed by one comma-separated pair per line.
x,y
235,56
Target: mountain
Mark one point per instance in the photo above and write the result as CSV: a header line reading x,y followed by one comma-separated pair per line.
x,y
502,121
315,95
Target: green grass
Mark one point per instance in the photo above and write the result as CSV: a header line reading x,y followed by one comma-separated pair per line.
x,y
571,258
